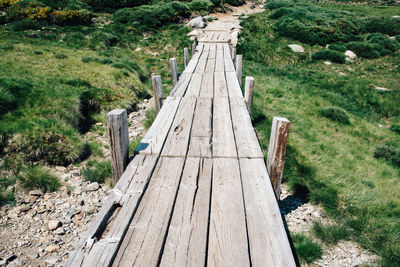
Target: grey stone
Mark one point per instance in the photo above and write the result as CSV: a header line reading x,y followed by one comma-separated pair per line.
x,y
198,22
296,48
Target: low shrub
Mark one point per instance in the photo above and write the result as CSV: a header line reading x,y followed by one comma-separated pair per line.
x,y
200,5
38,52
38,178
13,93
97,171
385,25
363,49
150,117
25,24
235,2
395,128
335,114
60,56
389,153
332,55
330,234
338,47
275,4
306,249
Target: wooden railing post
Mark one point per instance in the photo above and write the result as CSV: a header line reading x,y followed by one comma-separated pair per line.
x,y
233,54
158,94
185,56
174,70
238,66
119,142
276,152
194,45
248,93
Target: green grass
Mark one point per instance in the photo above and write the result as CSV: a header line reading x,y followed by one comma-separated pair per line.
x,y
38,178
97,171
306,249
332,163
150,117
330,234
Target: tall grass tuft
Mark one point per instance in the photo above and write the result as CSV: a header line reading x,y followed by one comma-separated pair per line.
x,y
97,171
330,234
38,178
306,249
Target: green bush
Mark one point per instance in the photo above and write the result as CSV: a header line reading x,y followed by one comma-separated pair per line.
x,y
13,93
385,25
182,9
97,171
278,4
330,234
306,249
235,2
335,114
389,153
332,55
25,24
363,49
395,128
338,47
38,178
200,5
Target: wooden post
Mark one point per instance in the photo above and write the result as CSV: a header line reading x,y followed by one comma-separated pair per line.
x,y
248,93
276,152
233,54
119,142
186,56
158,94
174,70
194,45
238,63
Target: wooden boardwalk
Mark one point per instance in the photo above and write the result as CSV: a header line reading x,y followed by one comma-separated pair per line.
x,y
197,193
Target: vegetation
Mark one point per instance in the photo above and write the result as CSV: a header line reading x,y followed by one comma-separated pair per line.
x,y
37,177
97,171
330,234
306,249
349,169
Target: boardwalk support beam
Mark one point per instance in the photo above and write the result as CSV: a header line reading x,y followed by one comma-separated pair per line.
x,y
158,94
174,70
186,56
119,142
276,152
238,67
248,93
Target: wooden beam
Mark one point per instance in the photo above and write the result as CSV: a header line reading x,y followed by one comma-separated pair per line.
x,y
186,56
248,93
174,70
233,53
276,152
119,142
238,64
158,94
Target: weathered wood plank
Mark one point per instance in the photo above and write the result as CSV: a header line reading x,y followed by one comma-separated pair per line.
x,y
193,89
212,51
177,142
154,139
201,65
238,67
174,70
143,241
157,92
248,93
187,234
219,62
233,86
227,238
229,65
207,85
117,121
200,137
227,51
223,139
269,245
180,88
220,86
246,139
185,56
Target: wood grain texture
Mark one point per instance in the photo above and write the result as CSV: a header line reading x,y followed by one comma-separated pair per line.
x,y
227,238
185,56
187,234
207,85
174,70
180,88
144,239
248,93
238,67
193,89
223,139
233,86
157,92
269,244
219,59
200,137
220,86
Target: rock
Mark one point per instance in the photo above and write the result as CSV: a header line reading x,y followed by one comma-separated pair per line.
x,y
59,231
393,38
52,248
350,54
36,193
195,32
99,124
396,17
92,187
52,260
236,26
33,255
327,62
381,88
53,224
198,22
296,48
138,49
24,208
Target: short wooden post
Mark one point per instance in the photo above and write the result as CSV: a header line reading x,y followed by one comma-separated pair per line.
x,y
174,70
248,93
194,45
233,54
186,56
119,142
276,152
239,68
158,94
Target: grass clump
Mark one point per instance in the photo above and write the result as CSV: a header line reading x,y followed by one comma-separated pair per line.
x,y
332,55
97,171
330,234
389,153
150,117
37,177
338,47
395,128
335,114
306,249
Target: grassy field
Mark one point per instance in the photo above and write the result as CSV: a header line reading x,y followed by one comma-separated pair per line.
x,y
343,150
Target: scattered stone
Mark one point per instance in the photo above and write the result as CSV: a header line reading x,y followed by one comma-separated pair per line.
x,y
327,62
381,88
92,187
54,224
195,32
138,49
350,55
52,260
342,74
396,17
36,193
24,208
59,231
296,48
52,248
198,22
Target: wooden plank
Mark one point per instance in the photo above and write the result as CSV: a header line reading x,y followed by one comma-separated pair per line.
x,y
200,137
227,51
201,65
269,244
233,86
227,238
198,52
154,139
117,121
219,63
229,65
246,139
187,234
210,67
212,51
223,139
207,85
180,88
144,239
220,86
177,142
193,89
